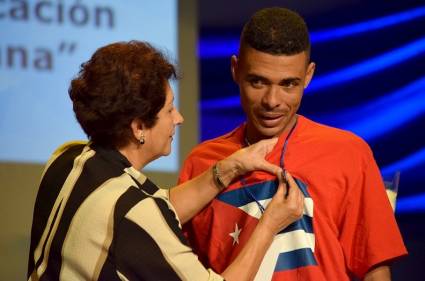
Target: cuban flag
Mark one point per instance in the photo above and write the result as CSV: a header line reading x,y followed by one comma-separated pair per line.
x,y
292,248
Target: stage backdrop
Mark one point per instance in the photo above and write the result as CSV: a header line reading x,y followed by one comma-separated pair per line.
x,y
369,79
42,44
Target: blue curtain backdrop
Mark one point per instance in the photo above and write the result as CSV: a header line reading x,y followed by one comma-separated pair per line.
x,y
369,79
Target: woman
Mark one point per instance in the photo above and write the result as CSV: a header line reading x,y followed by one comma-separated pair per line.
x,y
97,217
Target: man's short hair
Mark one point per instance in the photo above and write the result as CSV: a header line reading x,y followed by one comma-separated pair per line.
x,y
276,31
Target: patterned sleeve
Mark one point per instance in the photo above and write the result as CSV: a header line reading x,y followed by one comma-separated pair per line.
x,y
163,193
151,246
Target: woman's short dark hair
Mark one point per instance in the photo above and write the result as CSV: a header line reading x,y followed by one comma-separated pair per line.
x,y
121,82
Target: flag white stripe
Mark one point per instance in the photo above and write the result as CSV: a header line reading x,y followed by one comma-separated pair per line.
x,y
253,209
284,242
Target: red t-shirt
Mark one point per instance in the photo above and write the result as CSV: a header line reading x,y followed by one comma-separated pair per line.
x,y
348,224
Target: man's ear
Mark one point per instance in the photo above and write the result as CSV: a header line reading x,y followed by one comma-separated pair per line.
x,y
309,75
234,68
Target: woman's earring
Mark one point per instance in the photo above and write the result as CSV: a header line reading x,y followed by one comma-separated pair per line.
x,y
142,139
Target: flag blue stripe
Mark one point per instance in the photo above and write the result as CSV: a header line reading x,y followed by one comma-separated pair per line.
x,y
305,223
240,197
261,191
294,259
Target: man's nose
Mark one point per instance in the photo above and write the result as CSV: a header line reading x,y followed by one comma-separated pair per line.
x,y
271,99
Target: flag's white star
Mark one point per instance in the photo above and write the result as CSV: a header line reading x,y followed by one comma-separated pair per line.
x,y
235,234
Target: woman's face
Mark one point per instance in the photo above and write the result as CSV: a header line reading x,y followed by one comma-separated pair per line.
x,y
159,137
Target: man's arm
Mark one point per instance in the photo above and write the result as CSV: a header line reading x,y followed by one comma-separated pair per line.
x,y
380,273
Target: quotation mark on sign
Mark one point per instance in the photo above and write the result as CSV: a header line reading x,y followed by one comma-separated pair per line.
x,y
67,47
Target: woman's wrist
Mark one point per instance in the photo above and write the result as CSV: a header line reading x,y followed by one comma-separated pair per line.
x,y
268,227
217,177
224,171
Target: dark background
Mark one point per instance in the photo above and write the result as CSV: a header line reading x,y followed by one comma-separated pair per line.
x,y
394,93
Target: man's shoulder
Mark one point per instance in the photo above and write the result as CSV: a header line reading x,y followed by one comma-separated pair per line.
x,y
218,147
332,135
208,152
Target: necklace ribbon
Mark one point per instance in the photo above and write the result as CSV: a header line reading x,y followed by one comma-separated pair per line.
x,y
282,164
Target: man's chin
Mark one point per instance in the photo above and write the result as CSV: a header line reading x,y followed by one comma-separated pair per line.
x,y
267,133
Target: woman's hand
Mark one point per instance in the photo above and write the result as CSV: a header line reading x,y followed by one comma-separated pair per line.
x,y
190,197
248,159
286,206
281,212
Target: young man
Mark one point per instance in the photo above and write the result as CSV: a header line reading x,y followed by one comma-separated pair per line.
x,y
348,228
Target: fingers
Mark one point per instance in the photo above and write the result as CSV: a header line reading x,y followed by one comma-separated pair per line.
x,y
293,189
283,184
267,145
270,144
281,190
269,167
282,211
252,158
295,194
289,178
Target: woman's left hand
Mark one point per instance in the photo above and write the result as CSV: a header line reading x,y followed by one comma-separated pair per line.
x,y
248,159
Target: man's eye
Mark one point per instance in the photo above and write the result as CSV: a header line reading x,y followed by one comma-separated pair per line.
x,y
256,83
290,84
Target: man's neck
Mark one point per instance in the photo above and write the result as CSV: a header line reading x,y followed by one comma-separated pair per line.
x,y
251,136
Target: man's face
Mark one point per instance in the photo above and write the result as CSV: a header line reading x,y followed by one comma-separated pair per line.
x,y
271,88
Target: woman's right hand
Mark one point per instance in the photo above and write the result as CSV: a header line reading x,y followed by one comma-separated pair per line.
x,y
286,206
280,212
